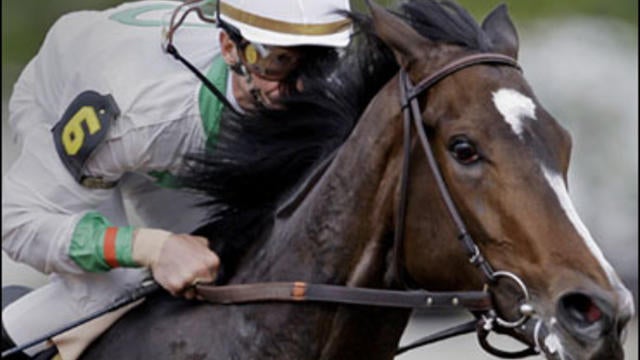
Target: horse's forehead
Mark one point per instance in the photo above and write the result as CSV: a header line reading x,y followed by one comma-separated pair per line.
x,y
515,108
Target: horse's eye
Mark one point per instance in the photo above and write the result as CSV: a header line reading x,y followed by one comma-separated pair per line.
x,y
463,150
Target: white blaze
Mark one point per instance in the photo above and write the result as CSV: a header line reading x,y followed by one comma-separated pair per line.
x,y
514,107
556,182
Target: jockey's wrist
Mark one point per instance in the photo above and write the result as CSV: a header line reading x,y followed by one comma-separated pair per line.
x,y
98,246
147,245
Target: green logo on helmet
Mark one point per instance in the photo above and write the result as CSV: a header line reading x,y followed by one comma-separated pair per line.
x,y
132,16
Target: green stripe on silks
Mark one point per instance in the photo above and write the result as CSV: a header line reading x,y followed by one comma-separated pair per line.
x,y
87,244
165,179
210,105
210,113
124,247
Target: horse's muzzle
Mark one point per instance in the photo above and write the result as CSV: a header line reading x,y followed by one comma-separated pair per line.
x,y
592,324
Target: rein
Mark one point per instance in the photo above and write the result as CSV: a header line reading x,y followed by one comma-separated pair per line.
x,y
302,291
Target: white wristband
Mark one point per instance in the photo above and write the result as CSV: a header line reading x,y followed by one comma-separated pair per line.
x,y
147,244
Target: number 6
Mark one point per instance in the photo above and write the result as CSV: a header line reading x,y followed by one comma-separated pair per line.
x,y
73,133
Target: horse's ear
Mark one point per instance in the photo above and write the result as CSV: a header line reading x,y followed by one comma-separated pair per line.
x,y
498,26
398,35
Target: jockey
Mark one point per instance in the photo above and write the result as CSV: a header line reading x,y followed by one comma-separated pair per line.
x,y
103,115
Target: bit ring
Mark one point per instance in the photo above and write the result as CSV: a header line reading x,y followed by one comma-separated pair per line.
x,y
525,292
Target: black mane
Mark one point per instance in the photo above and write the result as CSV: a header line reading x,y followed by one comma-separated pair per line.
x,y
445,22
259,158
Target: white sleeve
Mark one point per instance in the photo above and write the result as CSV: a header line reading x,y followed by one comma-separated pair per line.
x,y
143,149
41,205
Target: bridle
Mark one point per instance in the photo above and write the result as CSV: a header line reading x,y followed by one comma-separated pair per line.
x,y
490,320
527,329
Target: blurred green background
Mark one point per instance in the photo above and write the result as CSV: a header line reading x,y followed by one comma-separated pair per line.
x,y
25,22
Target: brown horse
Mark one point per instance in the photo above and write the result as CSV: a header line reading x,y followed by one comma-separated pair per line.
x,y
503,160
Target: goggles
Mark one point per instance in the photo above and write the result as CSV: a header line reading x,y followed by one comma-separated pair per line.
x,y
273,63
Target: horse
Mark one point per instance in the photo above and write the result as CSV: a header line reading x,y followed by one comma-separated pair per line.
x,y
336,189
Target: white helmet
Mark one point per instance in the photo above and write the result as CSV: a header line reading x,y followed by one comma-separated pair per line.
x,y
289,22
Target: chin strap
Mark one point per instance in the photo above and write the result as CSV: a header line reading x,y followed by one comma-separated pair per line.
x,y
255,93
239,69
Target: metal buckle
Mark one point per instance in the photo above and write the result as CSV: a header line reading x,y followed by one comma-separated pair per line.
x,y
484,328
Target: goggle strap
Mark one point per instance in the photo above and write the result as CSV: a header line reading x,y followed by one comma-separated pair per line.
x,y
191,5
173,51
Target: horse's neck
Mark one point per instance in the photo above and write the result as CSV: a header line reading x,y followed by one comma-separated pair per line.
x,y
343,225
342,234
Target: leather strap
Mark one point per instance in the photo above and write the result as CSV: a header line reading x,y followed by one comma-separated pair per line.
x,y
301,291
454,66
411,110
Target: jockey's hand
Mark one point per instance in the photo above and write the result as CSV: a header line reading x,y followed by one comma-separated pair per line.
x,y
177,261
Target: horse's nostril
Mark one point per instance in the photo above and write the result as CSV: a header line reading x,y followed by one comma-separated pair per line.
x,y
587,317
581,309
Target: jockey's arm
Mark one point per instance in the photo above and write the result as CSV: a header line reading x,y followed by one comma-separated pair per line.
x,y
141,116
50,221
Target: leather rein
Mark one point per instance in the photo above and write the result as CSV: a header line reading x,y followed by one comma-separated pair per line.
x,y
479,302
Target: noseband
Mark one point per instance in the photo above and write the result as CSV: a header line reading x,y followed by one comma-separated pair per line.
x,y
490,320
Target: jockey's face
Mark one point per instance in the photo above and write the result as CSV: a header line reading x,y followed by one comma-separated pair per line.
x,y
256,84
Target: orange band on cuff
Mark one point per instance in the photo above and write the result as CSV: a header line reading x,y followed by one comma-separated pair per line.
x,y
109,247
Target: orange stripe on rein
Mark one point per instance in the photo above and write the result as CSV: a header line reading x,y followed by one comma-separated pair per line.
x,y
299,290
